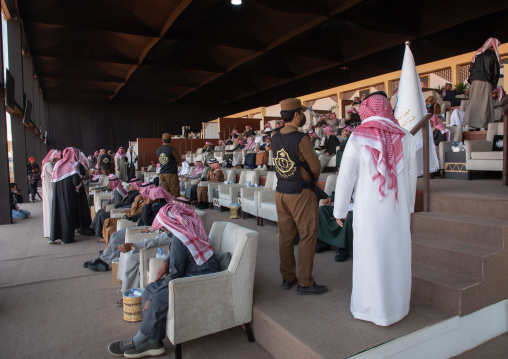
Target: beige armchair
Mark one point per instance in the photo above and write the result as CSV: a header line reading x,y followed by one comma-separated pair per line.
x,y
249,194
228,299
230,176
479,154
446,146
228,193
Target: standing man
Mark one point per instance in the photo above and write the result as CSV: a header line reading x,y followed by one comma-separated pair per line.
x,y
297,169
34,175
105,163
379,164
132,163
169,160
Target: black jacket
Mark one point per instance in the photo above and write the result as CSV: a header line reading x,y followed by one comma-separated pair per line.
x,y
485,68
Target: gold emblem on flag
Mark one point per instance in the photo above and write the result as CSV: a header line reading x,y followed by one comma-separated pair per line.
x,y
105,160
163,159
283,164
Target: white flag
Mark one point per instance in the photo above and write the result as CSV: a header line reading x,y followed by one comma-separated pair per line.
x,y
410,109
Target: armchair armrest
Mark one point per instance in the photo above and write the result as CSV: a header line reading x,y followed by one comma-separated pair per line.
x,y
268,195
212,186
203,184
248,192
117,213
144,257
153,267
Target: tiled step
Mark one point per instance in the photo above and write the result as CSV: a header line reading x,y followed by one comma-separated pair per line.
x,y
484,232
450,256
440,288
469,205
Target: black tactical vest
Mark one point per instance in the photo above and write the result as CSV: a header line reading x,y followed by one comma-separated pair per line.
x,y
287,163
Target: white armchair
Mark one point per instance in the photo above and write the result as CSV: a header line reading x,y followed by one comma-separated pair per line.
x,y
249,195
228,296
479,154
199,155
116,213
230,176
123,224
446,146
228,193
265,203
101,199
331,180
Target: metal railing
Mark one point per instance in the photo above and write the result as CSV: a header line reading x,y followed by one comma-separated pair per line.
x,y
423,125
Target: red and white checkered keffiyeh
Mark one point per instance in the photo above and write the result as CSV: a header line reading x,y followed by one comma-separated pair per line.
x,y
145,189
159,193
52,154
250,143
67,166
500,91
440,126
379,140
120,153
329,130
491,42
184,223
352,110
116,185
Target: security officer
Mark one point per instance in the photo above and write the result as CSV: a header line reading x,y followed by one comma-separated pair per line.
x,y
297,169
169,159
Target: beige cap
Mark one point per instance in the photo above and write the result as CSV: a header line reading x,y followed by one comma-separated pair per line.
x,y
291,104
166,136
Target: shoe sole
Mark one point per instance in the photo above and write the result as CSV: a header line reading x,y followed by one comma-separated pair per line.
x,y
310,293
115,354
151,353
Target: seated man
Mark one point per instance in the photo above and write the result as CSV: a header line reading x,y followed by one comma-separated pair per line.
x,y
214,175
331,234
157,196
16,198
345,132
128,270
190,254
262,157
330,146
450,95
249,153
196,174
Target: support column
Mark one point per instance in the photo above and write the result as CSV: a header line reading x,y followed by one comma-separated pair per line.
x,y
340,105
19,155
455,74
5,203
388,88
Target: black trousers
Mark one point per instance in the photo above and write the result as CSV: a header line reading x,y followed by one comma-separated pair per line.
x,y
32,188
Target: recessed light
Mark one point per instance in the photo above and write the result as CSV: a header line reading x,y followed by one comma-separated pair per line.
x,y
236,2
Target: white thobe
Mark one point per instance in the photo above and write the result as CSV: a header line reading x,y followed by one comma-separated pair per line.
x,y
128,267
120,169
131,157
382,236
47,191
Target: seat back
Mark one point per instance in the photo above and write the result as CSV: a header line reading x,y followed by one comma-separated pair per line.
x,y
270,178
330,184
243,177
230,175
494,129
455,133
252,176
230,147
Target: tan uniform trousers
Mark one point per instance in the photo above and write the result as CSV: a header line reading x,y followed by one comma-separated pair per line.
x,y
171,183
297,214
202,193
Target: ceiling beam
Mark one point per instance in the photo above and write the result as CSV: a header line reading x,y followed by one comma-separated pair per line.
x,y
67,56
171,19
185,66
70,22
216,41
93,78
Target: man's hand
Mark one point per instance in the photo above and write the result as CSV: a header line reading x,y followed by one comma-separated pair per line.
x,y
327,201
145,308
163,270
340,223
124,248
146,230
125,211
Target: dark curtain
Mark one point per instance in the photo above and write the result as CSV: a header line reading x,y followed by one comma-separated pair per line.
x,y
91,127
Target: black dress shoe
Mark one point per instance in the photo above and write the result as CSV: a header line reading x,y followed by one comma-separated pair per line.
x,y
322,246
288,285
342,255
313,289
297,239
99,266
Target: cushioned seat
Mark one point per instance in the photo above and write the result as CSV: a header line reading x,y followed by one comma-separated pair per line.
x,y
269,205
493,155
249,195
228,193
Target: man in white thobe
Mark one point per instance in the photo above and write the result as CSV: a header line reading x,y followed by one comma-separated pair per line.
x,y
47,189
379,164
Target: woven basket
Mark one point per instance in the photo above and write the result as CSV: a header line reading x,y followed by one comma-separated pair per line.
x,y
132,310
114,271
234,211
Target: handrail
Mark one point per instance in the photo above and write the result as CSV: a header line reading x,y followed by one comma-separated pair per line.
x,y
423,125
505,148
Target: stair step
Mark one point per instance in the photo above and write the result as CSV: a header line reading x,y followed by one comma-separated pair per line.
x,y
486,232
450,256
439,288
469,205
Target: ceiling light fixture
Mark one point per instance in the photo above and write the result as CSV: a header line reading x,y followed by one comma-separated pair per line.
x,y
236,2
